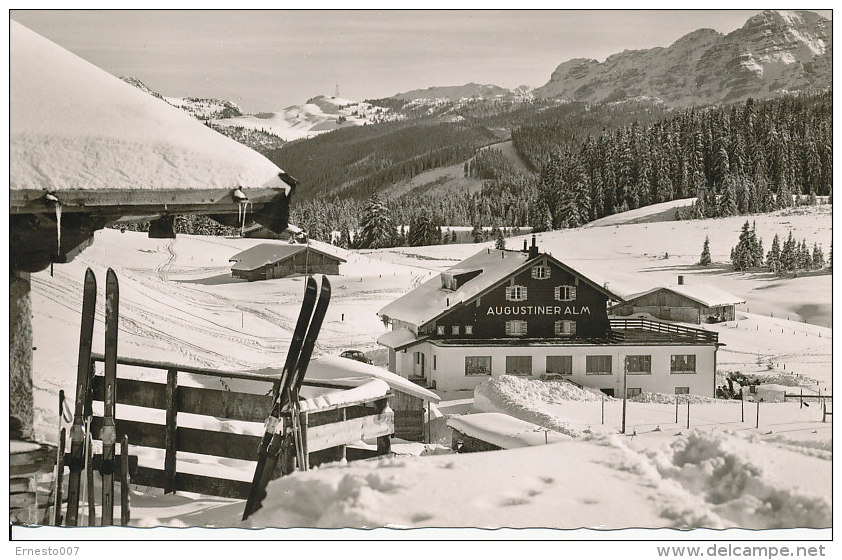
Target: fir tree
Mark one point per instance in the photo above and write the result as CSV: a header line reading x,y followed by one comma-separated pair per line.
x,y
376,230
728,200
789,256
500,240
773,257
422,230
476,234
704,260
818,257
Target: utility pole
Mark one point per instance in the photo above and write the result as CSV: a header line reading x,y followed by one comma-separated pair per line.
x,y
625,373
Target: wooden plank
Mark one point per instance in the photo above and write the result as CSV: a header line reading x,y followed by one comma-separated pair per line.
x,y
219,444
133,392
96,461
166,366
232,405
373,402
186,482
170,433
142,434
341,433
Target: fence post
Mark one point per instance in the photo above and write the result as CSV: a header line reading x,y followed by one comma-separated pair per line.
x,y
124,481
676,409
757,420
688,413
742,409
171,432
384,443
800,398
603,410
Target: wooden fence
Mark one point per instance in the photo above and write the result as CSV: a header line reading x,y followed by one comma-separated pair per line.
x,y
328,430
696,335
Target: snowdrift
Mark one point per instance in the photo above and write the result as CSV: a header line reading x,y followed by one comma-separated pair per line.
x,y
521,398
504,431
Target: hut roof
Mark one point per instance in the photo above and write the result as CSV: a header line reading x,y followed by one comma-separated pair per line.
x,y
269,253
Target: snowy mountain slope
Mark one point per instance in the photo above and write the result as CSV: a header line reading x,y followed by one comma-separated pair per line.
x,y
456,93
774,52
320,114
201,108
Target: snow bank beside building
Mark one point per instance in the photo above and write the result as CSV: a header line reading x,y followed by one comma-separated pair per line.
x,y
504,431
523,398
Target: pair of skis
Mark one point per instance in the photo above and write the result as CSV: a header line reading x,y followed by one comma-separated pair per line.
x,y
80,431
285,392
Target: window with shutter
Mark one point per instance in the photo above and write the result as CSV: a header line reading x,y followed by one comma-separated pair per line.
x,y
516,293
540,272
565,293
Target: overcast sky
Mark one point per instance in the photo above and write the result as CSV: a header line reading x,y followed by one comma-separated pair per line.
x,y
265,61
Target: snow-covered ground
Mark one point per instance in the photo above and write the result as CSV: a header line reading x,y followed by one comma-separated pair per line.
x,y
179,303
320,114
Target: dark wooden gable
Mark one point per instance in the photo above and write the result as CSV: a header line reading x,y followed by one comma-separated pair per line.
x,y
487,314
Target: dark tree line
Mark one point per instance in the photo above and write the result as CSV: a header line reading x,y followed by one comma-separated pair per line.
x,y
748,155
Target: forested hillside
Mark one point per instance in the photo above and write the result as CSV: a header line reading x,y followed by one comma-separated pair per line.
x,y
746,153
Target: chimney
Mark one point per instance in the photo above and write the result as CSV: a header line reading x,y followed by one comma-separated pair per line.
x,y
533,251
680,280
524,246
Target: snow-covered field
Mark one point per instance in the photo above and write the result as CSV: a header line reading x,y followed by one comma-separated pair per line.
x,y
320,114
179,303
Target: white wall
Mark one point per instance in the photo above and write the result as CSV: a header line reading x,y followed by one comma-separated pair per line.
x,y
449,373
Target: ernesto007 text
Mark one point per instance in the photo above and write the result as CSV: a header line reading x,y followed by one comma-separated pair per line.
x,y
47,551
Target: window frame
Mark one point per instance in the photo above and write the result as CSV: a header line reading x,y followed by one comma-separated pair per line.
x,y
519,357
454,330
541,272
630,395
558,327
599,356
469,329
686,360
522,293
440,330
630,371
687,392
510,324
570,289
482,374
569,359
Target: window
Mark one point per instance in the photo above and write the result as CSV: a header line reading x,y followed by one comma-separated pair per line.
x,y
682,390
598,365
683,363
565,293
477,365
469,329
639,365
540,272
633,392
515,328
565,328
560,364
455,329
516,293
518,365
440,330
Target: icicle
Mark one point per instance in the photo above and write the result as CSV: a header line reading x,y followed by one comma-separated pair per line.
x,y
52,198
242,212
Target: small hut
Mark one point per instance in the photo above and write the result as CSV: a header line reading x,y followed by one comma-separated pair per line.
x,y
279,260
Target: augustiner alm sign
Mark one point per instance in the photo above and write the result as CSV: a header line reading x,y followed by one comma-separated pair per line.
x,y
538,310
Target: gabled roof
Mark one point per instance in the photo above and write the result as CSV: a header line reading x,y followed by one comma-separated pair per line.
x,y
397,339
429,301
709,296
269,253
74,126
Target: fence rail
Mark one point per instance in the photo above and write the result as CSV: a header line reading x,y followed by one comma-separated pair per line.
x,y
329,429
697,335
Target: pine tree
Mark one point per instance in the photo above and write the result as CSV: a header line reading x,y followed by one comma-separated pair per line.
x,y
773,257
376,230
704,260
743,255
500,240
818,257
345,237
728,200
804,260
476,234
422,230
789,256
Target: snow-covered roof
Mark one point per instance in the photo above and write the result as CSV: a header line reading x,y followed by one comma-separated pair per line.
x,y
268,253
430,300
74,126
709,296
397,338
504,431
344,370
369,390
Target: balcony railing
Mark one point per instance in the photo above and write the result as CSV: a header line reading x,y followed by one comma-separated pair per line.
x,y
694,334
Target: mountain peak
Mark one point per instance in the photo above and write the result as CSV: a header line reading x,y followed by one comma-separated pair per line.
x,y
775,51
